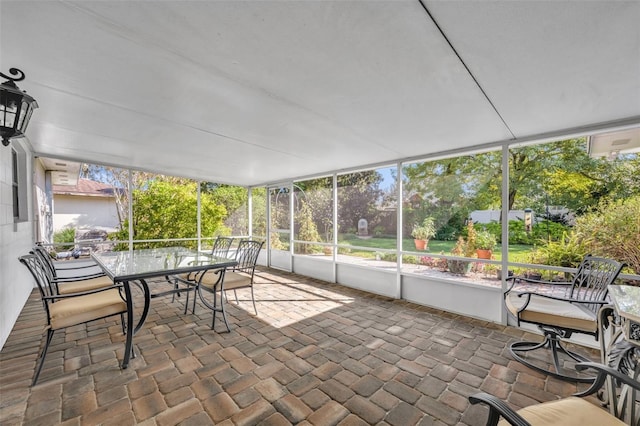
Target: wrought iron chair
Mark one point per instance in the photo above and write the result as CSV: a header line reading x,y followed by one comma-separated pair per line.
x,y
220,249
571,411
558,317
217,283
71,279
67,310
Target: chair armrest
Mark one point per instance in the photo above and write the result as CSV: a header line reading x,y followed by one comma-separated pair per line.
x,y
515,279
71,267
497,409
82,293
563,299
77,278
603,371
531,280
188,281
217,271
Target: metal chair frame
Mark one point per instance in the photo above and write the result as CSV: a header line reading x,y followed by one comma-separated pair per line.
x,y
221,247
500,409
54,269
589,290
48,295
246,258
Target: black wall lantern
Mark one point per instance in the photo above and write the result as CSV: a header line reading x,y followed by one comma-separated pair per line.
x,y
16,107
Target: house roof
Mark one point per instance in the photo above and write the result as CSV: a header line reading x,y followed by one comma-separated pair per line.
x,y
86,188
255,92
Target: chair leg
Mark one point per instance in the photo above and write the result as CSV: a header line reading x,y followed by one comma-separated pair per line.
x,y
186,302
214,307
235,293
176,288
43,355
214,310
224,313
193,309
253,299
552,343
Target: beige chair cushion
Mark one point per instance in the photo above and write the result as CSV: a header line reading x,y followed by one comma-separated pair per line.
x,y
80,309
210,279
236,280
232,280
548,311
84,285
570,411
188,278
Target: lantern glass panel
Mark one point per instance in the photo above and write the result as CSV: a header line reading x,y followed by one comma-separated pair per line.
x,y
8,112
23,113
26,120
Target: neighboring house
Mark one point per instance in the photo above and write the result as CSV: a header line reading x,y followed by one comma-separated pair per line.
x,y
488,216
87,205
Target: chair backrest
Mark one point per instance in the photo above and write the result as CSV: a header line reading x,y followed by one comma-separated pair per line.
x,y
221,246
37,269
247,256
45,259
591,281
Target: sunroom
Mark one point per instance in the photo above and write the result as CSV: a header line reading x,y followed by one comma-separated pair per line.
x,y
341,127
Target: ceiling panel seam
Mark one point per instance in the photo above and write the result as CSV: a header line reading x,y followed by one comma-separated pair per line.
x,y
424,6
147,41
163,120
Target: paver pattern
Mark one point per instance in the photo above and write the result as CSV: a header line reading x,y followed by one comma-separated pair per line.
x,y
316,354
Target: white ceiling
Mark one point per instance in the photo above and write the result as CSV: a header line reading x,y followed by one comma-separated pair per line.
x,y
262,91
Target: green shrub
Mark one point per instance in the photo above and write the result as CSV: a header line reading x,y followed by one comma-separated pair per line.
x,y
447,233
613,231
567,252
344,250
378,231
542,231
307,231
408,259
66,235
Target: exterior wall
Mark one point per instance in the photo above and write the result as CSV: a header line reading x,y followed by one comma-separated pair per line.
x,y
15,239
488,216
42,206
82,212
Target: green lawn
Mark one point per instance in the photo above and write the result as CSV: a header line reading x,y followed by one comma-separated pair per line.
x,y
517,251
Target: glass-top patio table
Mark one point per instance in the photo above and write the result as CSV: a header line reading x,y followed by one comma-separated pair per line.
x,y
138,265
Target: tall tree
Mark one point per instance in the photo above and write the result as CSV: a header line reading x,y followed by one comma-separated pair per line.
x,y
166,209
358,195
555,173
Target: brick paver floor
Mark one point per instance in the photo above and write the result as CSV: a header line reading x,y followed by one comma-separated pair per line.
x,y
316,353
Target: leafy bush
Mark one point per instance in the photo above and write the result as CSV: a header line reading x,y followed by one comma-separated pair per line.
x,y
567,252
66,235
413,260
447,233
168,210
389,257
613,231
307,231
378,231
542,231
